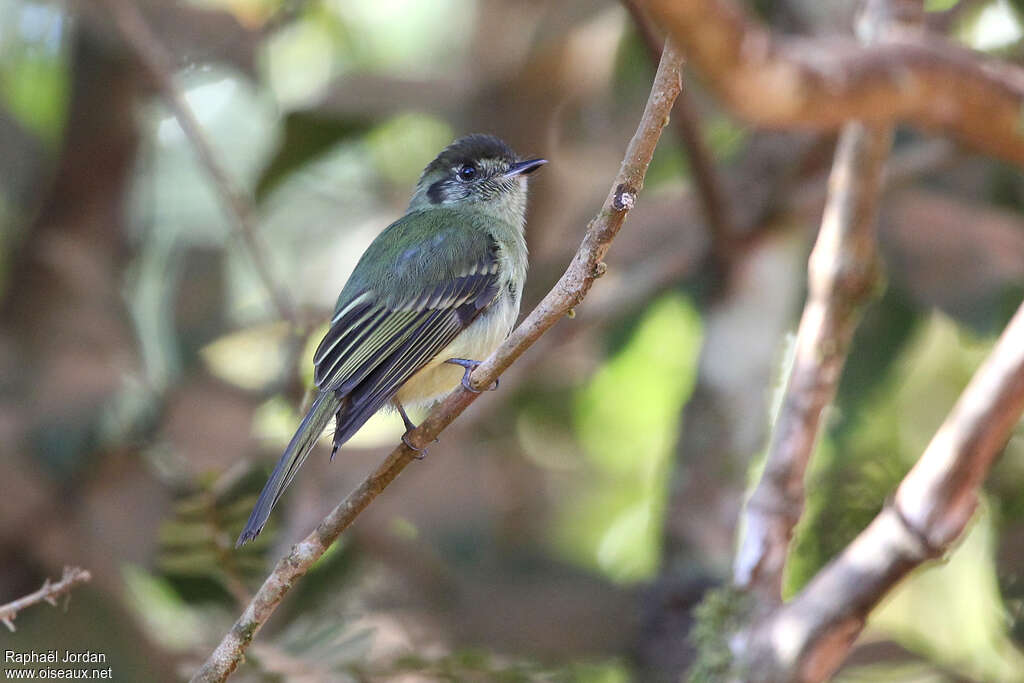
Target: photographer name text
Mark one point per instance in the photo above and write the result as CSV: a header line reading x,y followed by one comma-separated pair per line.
x,y
54,657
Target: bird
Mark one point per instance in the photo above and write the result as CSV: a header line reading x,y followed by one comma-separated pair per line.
x,y
435,293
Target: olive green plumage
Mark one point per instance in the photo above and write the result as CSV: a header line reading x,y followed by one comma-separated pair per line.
x,y
442,282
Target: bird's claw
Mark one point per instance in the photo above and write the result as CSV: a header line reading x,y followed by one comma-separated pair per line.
x,y
470,366
420,452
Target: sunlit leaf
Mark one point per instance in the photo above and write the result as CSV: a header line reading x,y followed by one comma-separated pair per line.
x,y
404,144
33,65
627,420
252,358
170,621
307,136
994,26
407,37
301,59
185,533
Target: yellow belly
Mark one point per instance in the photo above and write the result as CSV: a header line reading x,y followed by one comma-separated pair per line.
x,y
437,378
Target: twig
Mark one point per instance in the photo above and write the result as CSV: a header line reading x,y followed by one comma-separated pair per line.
x,y
158,62
825,82
932,507
569,291
705,175
48,593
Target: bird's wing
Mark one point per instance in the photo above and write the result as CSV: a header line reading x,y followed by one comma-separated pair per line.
x,y
377,341
391,320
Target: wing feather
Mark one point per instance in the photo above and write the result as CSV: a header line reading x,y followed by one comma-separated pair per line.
x,y
436,332
339,340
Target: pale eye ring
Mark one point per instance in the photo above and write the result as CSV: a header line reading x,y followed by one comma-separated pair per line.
x,y
466,172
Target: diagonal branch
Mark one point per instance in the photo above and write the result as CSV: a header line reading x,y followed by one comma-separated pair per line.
x,y
807,639
569,291
157,62
687,126
842,275
48,593
923,80
842,278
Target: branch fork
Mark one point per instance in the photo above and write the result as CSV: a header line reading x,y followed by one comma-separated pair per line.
x,y
72,577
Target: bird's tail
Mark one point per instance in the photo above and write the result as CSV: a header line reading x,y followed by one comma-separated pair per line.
x,y
323,409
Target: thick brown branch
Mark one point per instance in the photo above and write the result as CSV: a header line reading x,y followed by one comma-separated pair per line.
x,y
157,62
922,80
806,639
568,292
48,593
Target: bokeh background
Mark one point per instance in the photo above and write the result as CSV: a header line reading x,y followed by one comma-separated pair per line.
x,y
567,524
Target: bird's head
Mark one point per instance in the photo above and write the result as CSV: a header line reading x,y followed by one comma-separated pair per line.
x,y
476,171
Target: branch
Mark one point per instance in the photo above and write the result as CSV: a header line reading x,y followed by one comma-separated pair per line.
x,y
48,593
842,275
825,82
158,63
705,175
931,509
569,291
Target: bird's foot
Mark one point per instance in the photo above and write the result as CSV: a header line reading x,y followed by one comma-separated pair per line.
x,y
470,366
409,426
420,452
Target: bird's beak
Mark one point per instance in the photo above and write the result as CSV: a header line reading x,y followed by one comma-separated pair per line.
x,y
524,167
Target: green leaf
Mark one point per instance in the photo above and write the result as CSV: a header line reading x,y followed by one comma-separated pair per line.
x,y
34,79
307,135
626,421
171,622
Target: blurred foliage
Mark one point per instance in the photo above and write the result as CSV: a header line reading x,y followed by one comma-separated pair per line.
x,y
250,358
34,83
953,612
474,665
626,422
197,541
869,448
34,66
165,614
397,145
872,442
993,26
307,136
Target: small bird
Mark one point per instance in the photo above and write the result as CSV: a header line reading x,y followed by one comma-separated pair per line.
x,y
432,295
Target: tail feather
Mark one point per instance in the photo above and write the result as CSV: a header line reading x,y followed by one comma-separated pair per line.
x,y
324,408
353,410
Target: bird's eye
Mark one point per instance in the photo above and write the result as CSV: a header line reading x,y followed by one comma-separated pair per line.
x,y
467,172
